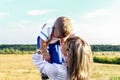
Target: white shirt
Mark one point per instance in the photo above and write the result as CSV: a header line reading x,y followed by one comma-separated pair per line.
x,y
53,71
46,32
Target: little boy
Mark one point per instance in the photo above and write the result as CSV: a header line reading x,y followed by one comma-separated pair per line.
x,y
51,37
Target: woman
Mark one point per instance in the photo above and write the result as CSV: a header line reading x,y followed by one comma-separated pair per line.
x,y
78,59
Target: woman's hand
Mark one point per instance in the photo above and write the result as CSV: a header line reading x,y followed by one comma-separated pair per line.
x,y
46,55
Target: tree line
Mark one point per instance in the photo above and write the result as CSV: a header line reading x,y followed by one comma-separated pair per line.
x,y
22,47
105,47
32,47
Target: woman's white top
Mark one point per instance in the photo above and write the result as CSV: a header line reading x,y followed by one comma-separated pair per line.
x,y
53,71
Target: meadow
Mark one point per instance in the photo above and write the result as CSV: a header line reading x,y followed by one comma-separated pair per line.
x,y
20,67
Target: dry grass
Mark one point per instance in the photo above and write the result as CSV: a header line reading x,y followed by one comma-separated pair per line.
x,y
105,72
17,67
20,67
107,54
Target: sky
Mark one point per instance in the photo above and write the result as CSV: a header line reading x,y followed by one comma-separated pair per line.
x,y
96,21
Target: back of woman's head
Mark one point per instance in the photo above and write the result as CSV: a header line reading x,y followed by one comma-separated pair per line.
x,y
80,58
63,25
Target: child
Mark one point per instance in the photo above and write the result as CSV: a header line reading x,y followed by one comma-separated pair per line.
x,y
50,38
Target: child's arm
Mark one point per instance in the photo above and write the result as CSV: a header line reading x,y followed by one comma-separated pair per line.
x,y
43,48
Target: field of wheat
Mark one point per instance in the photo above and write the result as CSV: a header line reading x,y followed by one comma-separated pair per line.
x,y
20,67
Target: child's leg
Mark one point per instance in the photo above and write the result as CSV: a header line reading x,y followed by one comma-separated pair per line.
x,y
44,77
55,56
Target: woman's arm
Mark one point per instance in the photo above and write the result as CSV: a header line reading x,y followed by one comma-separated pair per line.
x,y
44,66
38,61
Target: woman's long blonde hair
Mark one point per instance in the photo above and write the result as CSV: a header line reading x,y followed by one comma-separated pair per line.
x,y
80,58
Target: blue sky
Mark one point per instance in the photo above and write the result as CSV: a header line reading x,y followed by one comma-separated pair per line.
x,y
96,21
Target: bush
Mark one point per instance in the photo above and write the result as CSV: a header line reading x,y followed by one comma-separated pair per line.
x,y
13,51
107,60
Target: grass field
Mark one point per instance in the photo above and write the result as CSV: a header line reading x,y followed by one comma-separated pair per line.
x,y
20,67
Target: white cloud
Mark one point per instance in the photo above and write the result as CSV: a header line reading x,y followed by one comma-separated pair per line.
x,y
39,12
100,26
99,12
3,14
20,32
